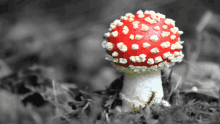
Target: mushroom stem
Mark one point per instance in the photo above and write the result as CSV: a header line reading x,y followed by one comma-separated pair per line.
x,y
137,89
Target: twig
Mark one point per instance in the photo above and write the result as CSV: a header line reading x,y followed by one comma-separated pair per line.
x,y
54,91
174,88
204,21
192,65
177,84
36,117
193,55
58,106
58,112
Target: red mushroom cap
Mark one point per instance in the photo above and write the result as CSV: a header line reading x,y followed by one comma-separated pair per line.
x,y
145,41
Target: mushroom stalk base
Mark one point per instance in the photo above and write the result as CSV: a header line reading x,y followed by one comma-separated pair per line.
x,y
137,89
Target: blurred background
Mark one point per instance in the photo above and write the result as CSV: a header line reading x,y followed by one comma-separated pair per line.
x,y
65,36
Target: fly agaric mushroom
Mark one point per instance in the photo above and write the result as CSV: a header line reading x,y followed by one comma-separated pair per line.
x,y
140,45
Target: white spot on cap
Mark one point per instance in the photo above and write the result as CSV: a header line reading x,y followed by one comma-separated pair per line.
x,y
131,37
157,28
166,55
180,58
118,22
153,16
178,45
180,42
132,58
122,47
143,57
130,15
173,37
174,60
154,50
165,44
138,59
144,27
135,46
135,24
170,21
138,37
125,30
181,55
130,19
112,26
176,53
140,14
165,33
104,44
114,33
146,45
173,47
154,38
171,56
164,26
161,15
108,57
107,34
109,46
158,59
151,12
180,32
124,17
119,45
122,60
114,54
174,30
148,19
150,61
115,60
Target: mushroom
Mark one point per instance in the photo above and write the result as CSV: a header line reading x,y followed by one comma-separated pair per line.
x,y
141,45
